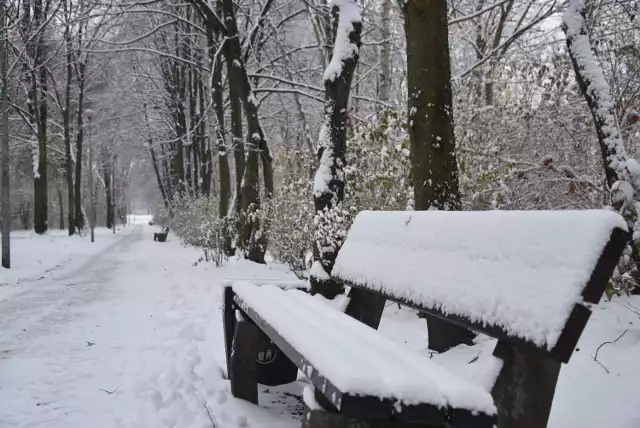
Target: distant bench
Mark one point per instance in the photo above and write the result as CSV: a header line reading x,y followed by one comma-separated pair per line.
x,y
524,278
161,236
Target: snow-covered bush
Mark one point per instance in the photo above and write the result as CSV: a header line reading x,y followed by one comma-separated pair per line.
x,y
196,222
377,179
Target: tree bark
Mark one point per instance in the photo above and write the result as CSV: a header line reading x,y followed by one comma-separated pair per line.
x,y
79,215
61,205
4,149
66,122
109,198
36,50
154,162
223,157
253,234
385,55
329,180
434,170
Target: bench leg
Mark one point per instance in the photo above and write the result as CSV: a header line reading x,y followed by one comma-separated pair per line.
x,y
242,368
229,324
327,419
366,307
524,390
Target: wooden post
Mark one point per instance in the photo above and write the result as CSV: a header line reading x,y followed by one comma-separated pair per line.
x,y
366,307
6,200
524,390
229,324
242,371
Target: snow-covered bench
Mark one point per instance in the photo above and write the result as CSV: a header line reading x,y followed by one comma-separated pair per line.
x,y
524,278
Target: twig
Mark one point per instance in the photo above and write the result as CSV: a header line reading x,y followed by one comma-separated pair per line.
x,y
108,392
213,424
629,308
595,357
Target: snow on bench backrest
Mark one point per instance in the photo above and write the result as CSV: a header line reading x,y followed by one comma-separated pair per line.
x,y
522,271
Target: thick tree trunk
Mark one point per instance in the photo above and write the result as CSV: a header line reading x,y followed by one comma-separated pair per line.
x,y
237,144
223,155
36,50
253,234
433,158
329,180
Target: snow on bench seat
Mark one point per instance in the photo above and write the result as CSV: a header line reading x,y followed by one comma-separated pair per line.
x,y
522,271
352,357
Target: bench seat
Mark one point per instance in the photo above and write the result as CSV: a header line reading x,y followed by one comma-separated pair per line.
x,y
360,371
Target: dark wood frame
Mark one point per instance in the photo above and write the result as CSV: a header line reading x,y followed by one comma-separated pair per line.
x,y
329,396
523,391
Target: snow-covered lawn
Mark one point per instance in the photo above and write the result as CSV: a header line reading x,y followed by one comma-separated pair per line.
x,y
131,336
35,257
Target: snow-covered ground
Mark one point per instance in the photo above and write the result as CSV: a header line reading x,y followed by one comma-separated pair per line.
x,y
35,257
130,335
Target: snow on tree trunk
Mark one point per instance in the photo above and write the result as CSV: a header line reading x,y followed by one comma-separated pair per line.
x,y
433,158
595,88
328,189
622,173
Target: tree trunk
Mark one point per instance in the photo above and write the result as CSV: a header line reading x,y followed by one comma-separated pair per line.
x,y
66,122
223,156
61,204
92,202
4,149
36,49
109,199
329,180
252,233
596,92
79,216
385,55
433,158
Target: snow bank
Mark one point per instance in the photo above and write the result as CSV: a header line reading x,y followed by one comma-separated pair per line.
x,y
522,271
370,364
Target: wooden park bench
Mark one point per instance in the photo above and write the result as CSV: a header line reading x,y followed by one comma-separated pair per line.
x,y
161,236
524,278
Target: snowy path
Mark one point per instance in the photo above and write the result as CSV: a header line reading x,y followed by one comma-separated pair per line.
x,y
131,337
106,344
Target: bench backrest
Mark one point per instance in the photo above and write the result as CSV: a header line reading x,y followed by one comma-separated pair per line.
x,y
516,275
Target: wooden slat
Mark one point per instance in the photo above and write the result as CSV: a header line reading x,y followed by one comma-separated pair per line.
x,y
497,332
606,264
576,322
352,404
